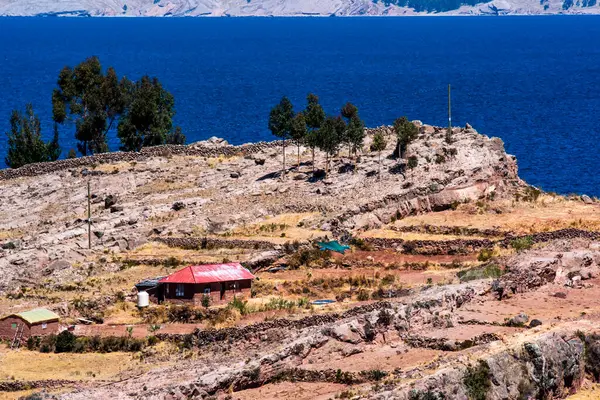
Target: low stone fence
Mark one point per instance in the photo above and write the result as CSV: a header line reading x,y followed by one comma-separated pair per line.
x,y
206,337
212,243
469,246
145,153
17,386
451,230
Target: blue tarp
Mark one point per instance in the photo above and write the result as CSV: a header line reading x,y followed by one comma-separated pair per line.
x,y
334,245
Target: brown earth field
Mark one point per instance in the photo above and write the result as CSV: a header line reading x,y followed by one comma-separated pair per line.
x,y
461,280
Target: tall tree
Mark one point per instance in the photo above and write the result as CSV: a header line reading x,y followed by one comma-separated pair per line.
x,y
379,144
25,143
280,121
90,99
148,119
314,116
298,131
355,130
330,136
406,132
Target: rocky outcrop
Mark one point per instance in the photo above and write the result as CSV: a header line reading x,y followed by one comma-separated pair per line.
x,y
565,262
549,366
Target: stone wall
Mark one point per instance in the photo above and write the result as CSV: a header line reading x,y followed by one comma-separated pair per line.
x,y
208,243
469,246
195,150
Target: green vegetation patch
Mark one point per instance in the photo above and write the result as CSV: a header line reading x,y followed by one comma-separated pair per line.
x,y
477,380
484,272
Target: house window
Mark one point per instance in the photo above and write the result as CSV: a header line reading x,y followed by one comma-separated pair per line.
x,y
179,290
13,326
207,291
44,325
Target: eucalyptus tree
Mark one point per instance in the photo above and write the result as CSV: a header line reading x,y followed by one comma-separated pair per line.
x,y
298,131
280,122
91,100
148,118
314,116
25,143
379,144
406,132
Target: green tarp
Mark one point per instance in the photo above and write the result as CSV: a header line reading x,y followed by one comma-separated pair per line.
x,y
334,245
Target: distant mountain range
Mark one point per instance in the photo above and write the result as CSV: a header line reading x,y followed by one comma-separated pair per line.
x,y
220,8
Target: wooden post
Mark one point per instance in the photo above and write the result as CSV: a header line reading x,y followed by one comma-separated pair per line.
x,y
89,216
449,112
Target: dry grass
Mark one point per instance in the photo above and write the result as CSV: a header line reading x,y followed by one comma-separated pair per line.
x,y
11,234
547,214
279,229
164,186
162,251
590,391
29,365
112,168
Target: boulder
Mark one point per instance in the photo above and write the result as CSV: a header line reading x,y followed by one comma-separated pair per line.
x,y
518,320
534,323
178,205
115,209
587,199
56,266
235,175
110,201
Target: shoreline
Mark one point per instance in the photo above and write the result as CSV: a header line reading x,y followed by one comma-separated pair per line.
x,y
594,13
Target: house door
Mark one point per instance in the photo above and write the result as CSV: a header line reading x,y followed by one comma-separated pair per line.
x,y
222,291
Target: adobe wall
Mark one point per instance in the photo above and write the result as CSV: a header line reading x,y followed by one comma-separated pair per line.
x,y
8,333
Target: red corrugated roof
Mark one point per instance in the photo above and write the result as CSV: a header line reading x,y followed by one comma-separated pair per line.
x,y
209,273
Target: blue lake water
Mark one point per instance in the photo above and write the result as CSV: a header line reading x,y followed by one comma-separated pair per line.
x,y
532,81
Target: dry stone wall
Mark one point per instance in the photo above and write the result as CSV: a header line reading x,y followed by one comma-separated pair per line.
x,y
147,152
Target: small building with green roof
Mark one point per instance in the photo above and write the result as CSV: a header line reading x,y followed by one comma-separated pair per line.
x,y
38,322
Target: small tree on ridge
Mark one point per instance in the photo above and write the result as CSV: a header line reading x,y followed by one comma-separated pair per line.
x,y
280,121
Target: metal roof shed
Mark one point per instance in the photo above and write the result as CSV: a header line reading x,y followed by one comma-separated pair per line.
x,y
209,273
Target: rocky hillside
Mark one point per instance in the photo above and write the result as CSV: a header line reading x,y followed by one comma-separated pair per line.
x,y
190,192
161,8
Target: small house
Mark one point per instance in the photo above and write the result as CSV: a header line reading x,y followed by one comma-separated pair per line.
x,y
39,322
221,282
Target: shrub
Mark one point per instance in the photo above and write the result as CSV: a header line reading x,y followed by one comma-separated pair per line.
x,y
307,257
33,342
172,262
72,153
531,194
413,162
47,344
484,272
485,255
180,313
240,305
477,380
152,340
360,244
362,295
522,243
206,301
384,318
440,159
82,344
